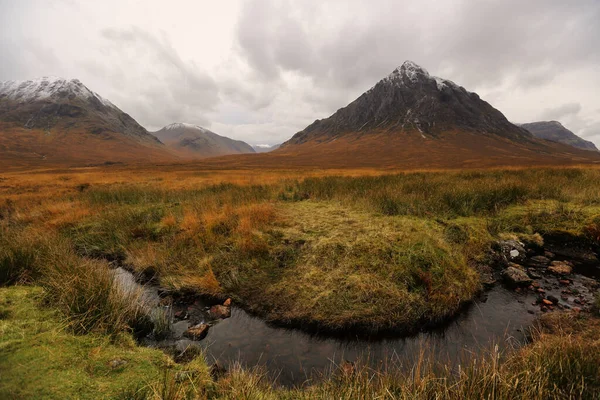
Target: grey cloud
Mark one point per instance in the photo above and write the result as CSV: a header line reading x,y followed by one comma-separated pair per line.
x,y
591,131
561,112
479,43
289,62
167,88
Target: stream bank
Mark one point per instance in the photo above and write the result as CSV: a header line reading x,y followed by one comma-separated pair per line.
x,y
560,279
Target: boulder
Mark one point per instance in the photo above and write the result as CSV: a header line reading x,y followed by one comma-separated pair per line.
x,y
553,299
516,277
560,268
197,332
511,250
220,312
517,266
538,261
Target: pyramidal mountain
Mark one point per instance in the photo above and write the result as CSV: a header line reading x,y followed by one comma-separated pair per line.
x,y
413,119
60,120
556,132
193,141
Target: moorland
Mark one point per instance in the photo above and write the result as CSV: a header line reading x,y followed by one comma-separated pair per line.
x,y
328,251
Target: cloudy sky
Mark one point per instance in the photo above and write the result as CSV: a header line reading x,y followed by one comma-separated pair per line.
x,y
261,70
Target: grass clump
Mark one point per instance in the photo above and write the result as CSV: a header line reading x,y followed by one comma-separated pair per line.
x,y
19,257
346,269
39,358
87,293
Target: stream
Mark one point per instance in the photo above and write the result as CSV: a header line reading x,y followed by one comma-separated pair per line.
x,y
292,357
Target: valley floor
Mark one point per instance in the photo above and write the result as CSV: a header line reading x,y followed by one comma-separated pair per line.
x,y
360,251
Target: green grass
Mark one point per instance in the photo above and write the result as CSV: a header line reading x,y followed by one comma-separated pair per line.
x,y
39,358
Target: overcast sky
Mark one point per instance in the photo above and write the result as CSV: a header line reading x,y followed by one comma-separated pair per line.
x,y
261,70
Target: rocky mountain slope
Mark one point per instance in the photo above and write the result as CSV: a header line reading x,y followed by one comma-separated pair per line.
x,y
409,99
556,132
59,120
193,141
412,119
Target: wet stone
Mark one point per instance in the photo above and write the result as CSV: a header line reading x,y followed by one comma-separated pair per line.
x,y
511,251
197,332
560,268
220,312
538,261
516,277
553,299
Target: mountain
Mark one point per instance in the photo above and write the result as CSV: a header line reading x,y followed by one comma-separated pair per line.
x,y
55,120
265,148
193,141
410,99
556,132
412,119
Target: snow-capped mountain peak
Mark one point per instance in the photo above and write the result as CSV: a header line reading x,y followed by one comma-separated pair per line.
x,y
48,88
410,72
183,125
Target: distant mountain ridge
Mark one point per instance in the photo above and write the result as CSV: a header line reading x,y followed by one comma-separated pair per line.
x,y
59,120
556,132
265,148
193,141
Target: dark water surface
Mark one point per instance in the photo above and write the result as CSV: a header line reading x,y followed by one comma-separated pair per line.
x,y
500,317
294,356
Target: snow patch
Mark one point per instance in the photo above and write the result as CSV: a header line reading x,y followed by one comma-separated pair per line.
x,y
48,87
183,125
441,83
412,71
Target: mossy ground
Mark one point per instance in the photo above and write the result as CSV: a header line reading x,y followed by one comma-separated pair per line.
x,y
40,358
